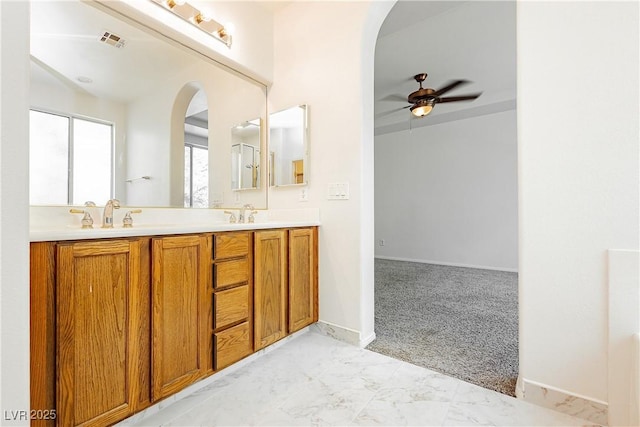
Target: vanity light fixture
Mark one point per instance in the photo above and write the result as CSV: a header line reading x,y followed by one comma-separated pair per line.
x,y
200,19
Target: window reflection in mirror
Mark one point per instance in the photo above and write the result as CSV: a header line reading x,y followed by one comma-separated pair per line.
x,y
196,152
73,158
245,155
288,146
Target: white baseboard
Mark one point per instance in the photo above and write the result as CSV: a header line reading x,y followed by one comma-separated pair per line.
x,y
450,264
592,410
341,333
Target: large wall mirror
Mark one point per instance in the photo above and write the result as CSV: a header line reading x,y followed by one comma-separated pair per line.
x,y
289,146
110,94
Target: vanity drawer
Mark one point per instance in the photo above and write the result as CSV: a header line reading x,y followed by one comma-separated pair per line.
x,y
231,245
232,345
230,306
232,272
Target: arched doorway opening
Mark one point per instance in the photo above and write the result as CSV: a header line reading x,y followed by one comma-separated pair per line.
x,y
446,234
190,147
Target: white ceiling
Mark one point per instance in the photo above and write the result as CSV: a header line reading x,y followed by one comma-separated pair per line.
x,y
448,40
65,43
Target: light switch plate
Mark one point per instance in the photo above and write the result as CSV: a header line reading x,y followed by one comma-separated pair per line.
x,y
338,191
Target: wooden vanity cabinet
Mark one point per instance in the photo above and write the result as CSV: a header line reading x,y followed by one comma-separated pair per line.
x,y
232,294
117,324
286,288
180,307
88,315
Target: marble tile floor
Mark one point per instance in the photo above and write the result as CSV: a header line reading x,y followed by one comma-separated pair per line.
x,y
315,380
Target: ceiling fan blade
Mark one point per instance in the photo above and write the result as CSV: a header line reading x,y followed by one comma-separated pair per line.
x,y
394,97
386,113
459,98
448,87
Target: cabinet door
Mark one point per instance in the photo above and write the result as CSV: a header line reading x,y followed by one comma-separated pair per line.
x,y
179,312
303,308
98,325
270,302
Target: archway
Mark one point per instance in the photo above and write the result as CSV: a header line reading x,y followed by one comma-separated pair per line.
x,y
189,147
432,187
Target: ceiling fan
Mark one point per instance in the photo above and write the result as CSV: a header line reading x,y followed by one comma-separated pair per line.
x,y
424,99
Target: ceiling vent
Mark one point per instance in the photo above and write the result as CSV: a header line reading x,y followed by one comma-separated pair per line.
x,y
112,39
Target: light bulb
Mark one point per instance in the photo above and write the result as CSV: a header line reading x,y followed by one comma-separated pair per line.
x,y
229,28
201,17
422,107
173,3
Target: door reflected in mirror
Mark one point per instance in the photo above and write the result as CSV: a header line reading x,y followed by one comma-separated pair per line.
x,y
289,147
245,155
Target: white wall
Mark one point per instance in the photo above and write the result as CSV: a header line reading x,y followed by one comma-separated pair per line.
x,y
14,209
447,193
579,182
319,61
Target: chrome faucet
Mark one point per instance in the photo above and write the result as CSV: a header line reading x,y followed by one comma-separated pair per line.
x,y
107,216
243,211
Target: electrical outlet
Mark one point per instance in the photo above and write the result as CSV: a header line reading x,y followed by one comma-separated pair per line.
x,y
382,242
304,195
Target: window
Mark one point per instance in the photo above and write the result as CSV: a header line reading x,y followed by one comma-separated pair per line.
x,y
196,176
70,159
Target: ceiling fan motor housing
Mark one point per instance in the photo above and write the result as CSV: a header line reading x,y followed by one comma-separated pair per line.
x,y
421,93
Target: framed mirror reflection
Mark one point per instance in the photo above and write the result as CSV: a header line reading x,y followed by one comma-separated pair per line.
x,y
289,146
246,140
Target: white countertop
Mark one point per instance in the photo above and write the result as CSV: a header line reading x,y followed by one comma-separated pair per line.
x,y
53,224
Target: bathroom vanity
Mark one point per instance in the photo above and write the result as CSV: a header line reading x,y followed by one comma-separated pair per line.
x,y
120,323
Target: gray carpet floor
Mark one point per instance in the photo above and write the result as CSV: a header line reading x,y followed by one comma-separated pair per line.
x,y
461,322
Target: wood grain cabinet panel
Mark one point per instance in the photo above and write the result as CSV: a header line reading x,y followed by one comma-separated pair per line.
x,y
98,331
43,330
231,306
232,272
232,344
303,274
179,305
270,282
231,245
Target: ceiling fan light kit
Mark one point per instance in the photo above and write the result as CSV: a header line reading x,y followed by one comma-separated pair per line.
x,y
424,99
422,107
